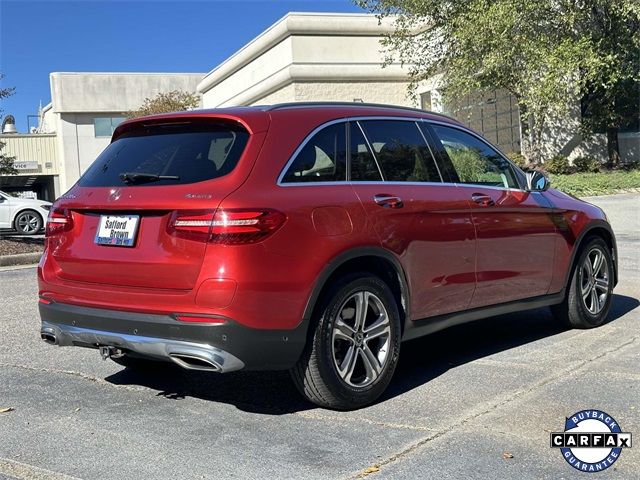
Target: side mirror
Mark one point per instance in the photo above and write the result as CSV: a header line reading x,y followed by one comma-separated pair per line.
x,y
537,182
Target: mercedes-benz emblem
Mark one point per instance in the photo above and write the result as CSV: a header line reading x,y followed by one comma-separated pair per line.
x,y
114,194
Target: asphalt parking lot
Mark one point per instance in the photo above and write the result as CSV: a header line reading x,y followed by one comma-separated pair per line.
x,y
476,401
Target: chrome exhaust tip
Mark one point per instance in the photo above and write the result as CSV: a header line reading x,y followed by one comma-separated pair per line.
x,y
194,362
49,338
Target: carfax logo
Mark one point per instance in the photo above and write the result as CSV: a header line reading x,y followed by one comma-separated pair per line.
x,y
592,440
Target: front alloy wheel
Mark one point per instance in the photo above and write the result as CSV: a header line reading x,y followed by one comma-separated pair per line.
x,y
588,299
594,281
354,350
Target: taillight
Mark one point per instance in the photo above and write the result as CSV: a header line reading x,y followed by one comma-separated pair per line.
x,y
235,226
191,224
226,226
58,221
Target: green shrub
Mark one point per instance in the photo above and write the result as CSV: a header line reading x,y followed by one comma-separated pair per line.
x,y
558,165
467,163
518,159
587,184
587,164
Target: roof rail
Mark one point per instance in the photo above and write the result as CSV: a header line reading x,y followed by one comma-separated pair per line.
x,y
281,106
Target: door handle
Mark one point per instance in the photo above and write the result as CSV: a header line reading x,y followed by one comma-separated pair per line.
x,y
388,201
482,199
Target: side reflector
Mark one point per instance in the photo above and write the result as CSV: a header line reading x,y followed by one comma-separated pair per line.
x,y
197,319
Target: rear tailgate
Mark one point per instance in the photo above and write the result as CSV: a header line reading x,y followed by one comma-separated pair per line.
x,y
155,220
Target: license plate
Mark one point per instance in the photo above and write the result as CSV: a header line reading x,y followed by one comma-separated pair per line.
x,y
117,230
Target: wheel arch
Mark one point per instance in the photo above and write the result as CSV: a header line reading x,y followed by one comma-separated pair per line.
x,y
368,259
600,229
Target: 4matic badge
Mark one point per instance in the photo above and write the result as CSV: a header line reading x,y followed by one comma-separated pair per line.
x,y
592,440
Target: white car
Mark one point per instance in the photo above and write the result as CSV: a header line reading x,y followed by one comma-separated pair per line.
x,y
24,215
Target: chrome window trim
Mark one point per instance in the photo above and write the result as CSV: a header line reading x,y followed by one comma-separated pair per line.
x,y
355,119
433,157
433,184
301,146
373,152
464,129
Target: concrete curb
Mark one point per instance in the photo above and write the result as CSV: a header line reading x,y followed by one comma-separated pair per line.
x,y
20,259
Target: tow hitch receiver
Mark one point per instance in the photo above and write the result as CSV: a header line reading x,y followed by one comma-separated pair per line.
x,y
110,352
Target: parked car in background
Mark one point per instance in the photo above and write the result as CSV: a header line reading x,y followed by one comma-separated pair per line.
x,y
309,237
24,215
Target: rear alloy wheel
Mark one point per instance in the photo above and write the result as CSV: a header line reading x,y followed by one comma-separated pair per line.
x,y
28,222
589,298
355,347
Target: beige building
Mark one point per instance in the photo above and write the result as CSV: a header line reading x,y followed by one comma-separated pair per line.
x,y
325,57
37,163
85,108
302,57
309,56
77,125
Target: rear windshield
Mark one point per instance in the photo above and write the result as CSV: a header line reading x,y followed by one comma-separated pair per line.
x,y
167,155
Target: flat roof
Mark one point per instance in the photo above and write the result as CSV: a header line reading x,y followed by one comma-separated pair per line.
x,y
303,23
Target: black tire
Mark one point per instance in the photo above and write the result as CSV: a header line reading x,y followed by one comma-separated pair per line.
x,y
28,222
139,364
576,311
365,376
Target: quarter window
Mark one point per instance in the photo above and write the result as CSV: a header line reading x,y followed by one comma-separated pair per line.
x,y
474,160
401,152
322,159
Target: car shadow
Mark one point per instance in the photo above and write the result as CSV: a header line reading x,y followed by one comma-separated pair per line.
x,y
421,360
429,357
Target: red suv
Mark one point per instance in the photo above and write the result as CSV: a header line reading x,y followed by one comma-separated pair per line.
x,y
309,237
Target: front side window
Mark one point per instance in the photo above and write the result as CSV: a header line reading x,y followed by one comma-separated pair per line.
x,y
322,159
475,161
401,151
104,126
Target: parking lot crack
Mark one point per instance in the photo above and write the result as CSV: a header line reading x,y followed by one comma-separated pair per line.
x,y
561,374
337,418
84,376
19,470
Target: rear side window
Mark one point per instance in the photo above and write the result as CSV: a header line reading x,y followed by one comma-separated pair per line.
x,y
322,159
401,151
184,154
475,161
363,165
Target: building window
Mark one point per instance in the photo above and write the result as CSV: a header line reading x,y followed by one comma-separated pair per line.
x,y
425,101
104,126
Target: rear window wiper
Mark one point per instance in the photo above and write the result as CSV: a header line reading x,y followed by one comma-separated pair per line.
x,y
131,178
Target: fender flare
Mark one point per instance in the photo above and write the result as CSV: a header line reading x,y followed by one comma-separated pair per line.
x,y
580,241
343,258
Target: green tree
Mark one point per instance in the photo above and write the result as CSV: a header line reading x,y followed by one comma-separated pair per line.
x,y
173,101
541,51
6,162
612,98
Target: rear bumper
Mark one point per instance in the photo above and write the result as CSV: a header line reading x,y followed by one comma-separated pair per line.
x,y
224,347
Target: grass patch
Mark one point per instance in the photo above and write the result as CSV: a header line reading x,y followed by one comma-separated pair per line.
x,y
590,184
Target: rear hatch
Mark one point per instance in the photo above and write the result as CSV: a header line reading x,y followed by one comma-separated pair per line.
x,y
140,216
